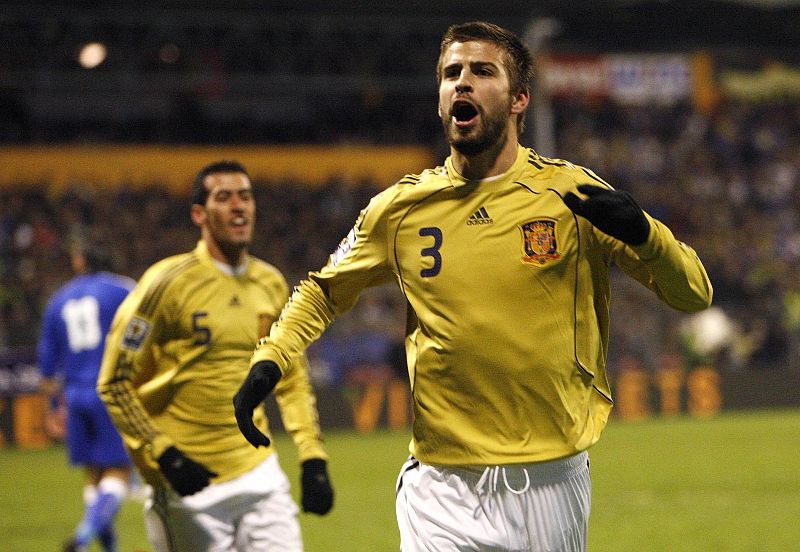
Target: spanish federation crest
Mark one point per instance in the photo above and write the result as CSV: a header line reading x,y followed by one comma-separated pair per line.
x,y
539,243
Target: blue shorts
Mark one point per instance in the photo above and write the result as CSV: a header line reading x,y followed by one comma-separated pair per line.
x,y
92,439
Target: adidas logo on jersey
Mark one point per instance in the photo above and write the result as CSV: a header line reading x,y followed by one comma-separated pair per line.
x,y
479,217
234,302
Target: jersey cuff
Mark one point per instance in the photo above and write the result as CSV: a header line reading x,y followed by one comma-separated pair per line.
x,y
310,451
268,353
158,445
651,248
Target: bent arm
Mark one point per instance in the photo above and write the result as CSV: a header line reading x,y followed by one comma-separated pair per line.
x,y
667,266
360,261
126,357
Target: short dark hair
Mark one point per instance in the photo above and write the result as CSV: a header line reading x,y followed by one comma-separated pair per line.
x,y
199,193
97,254
518,62
98,258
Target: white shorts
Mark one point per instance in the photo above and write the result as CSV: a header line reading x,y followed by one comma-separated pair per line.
x,y
520,507
254,512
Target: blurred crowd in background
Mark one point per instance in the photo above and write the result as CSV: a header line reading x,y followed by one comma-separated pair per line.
x,y
297,227
726,180
726,183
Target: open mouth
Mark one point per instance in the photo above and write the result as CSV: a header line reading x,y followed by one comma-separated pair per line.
x,y
463,112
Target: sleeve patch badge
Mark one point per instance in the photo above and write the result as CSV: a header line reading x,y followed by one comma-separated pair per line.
x,y
539,242
135,333
344,247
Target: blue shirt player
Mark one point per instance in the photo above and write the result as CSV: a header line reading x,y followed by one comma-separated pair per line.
x,y
70,352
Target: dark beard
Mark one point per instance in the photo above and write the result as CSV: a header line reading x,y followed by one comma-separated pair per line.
x,y
232,251
489,135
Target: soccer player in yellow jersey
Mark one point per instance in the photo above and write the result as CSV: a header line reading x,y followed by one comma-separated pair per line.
x,y
503,256
177,351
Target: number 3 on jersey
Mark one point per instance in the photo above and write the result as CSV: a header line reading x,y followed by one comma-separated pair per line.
x,y
433,251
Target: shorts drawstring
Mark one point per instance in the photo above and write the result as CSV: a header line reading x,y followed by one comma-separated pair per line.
x,y
488,483
491,474
542,473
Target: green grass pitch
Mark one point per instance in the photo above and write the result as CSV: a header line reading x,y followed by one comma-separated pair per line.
x,y
725,484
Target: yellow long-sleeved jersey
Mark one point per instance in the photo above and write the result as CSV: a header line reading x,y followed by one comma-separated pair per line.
x,y
508,295
177,353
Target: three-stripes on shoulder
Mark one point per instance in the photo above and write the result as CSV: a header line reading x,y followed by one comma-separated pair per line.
x,y
157,288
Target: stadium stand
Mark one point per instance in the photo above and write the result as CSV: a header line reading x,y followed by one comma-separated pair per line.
x,y
723,172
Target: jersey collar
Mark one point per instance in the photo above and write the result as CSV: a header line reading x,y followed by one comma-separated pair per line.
x,y
202,251
457,181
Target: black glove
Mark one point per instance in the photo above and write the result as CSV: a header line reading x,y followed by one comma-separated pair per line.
x,y
317,490
612,211
184,474
259,382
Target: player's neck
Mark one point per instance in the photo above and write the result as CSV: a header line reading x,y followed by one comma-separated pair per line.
x,y
492,162
233,255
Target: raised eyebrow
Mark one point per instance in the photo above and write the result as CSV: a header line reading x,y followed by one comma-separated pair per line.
x,y
229,191
453,65
474,65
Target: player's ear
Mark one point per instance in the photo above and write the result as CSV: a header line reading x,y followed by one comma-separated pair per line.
x,y
520,101
198,213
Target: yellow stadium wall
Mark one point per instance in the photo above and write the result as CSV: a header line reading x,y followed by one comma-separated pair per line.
x,y
175,166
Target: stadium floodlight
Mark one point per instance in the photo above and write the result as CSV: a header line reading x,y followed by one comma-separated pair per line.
x,y
92,54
